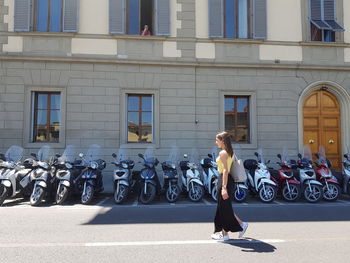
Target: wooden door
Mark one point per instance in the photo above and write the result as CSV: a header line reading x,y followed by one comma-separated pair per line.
x,y
321,113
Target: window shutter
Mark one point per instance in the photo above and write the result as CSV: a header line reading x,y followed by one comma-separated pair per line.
x,y
329,15
70,16
117,16
22,15
259,19
316,14
162,17
216,16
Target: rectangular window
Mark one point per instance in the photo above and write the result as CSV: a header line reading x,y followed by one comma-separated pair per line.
x,y
236,18
139,118
48,15
237,118
323,23
46,116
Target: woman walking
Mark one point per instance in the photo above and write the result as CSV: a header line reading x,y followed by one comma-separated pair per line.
x,y
225,219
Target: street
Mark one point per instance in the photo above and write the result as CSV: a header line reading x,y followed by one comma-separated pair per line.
x,y
163,232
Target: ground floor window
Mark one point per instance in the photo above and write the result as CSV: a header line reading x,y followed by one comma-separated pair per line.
x,y
139,118
46,116
237,118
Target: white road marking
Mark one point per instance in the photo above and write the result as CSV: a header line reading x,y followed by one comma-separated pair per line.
x,y
103,201
206,202
277,202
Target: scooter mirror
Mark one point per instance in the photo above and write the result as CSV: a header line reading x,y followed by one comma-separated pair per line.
x,y
268,162
256,154
317,155
345,156
33,155
140,155
299,155
81,155
185,155
57,155
210,155
279,156
114,155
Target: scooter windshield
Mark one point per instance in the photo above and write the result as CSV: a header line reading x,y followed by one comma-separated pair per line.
x,y
285,156
173,155
14,154
322,154
122,154
261,156
307,153
194,156
93,153
150,154
44,153
214,152
68,154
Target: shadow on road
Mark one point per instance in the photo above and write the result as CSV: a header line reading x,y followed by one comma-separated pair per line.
x,y
205,214
253,245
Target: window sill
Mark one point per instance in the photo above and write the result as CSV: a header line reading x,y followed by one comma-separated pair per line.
x,y
37,145
324,44
140,145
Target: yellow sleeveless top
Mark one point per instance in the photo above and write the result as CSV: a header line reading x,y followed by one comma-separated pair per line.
x,y
221,165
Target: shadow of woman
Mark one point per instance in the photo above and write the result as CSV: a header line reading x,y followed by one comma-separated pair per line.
x,y
252,245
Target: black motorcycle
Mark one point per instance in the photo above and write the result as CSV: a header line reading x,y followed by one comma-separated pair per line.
x,y
149,181
171,178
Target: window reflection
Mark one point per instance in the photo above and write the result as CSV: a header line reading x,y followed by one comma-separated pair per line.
x,y
140,118
46,117
237,118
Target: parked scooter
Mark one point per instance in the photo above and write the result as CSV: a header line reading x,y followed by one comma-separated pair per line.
x,y
311,188
346,174
65,173
14,177
259,178
149,181
240,188
171,177
122,176
191,181
42,176
210,174
89,182
288,185
331,188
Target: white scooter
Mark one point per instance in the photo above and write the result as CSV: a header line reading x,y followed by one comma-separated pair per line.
x,y
259,179
210,174
191,179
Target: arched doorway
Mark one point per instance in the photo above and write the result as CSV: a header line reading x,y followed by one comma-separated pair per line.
x,y
322,124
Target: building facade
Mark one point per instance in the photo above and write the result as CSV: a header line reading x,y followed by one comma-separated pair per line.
x,y
273,73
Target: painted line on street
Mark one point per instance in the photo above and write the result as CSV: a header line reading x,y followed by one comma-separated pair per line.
x,y
277,202
206,202
102,202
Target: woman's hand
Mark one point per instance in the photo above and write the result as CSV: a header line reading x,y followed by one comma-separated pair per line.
x,y
224,193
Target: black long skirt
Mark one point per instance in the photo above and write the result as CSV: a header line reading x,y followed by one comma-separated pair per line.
x,y
224,217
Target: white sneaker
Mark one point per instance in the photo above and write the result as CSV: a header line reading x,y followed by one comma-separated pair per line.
x,y
244,228
220,236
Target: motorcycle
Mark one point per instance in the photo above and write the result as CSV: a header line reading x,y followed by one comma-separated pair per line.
x,y
288,185
89,181
65,174
191,181
14,177
346,174
311,188
43,175
259,178
171,182
331,188
122,177
210,174
149,180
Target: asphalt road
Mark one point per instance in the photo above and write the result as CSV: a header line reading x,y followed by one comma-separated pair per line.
x,y
162,232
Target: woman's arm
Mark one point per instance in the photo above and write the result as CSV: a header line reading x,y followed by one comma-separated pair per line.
x,y
224,158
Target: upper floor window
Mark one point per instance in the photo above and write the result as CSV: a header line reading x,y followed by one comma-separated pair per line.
x,y
46,15
133,16
237,118
237,18
46,116
323,20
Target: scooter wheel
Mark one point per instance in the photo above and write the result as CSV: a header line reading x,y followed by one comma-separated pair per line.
x,y
333,193
267,193
37,196
240,195
196,193
121,195
147,197
292,194
313,194
3,194
214,193
172,194
87,197
62,194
